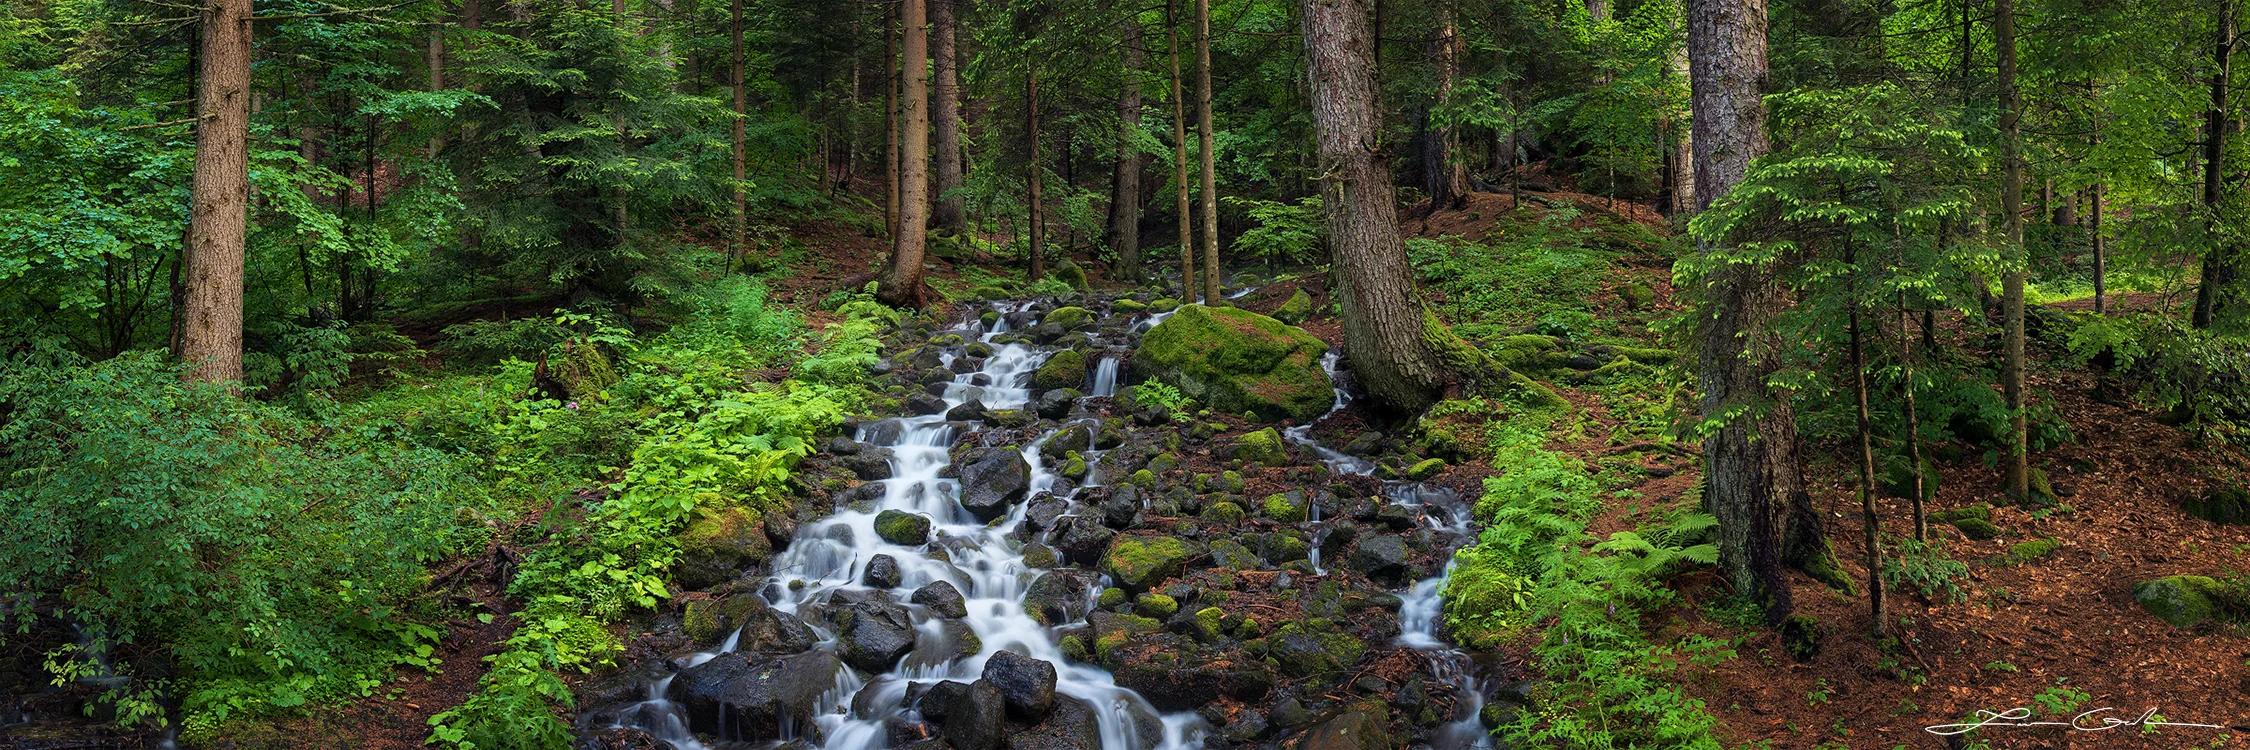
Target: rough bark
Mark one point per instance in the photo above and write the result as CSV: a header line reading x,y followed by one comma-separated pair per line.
x,y
901,285
211,333
741,144
1870,523
2101,254
1680,176
890,123
1037,246
1913,424
2219,271
1210,155
1756,484
1443,176
1125,185
951,214
1180,157
2015,467
435,61
1388,334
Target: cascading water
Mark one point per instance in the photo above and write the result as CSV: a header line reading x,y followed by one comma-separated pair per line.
x,y
1105,377
1422,605
828,562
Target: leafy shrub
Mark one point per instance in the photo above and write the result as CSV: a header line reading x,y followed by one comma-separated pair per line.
x,y
1926,568
1286,232
2202,377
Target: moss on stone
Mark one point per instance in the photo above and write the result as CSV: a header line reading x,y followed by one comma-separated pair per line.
x,y
1128,306
1109,598
1296,309
1069,272
1073,467
1067,369
1636,296
1223,513
1236,361
1279,508
2179,600
1423,470
1230,481
1074,648
1210,624
903,528
1163,305
1156,605
1139,562
1143,478
1261,447
1977,528
2024,552
1979,511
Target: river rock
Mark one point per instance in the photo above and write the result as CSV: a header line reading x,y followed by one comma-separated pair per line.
x,y
1122,505
942,598
2179,600
1044,511
1028,684
972,411
1186,688
620,738
1139,562
975,714
1055,404
926,404
875,634
882,572
1296,309
1362,727
903,528
1056,597
1066,369
1073,726
1072,437
1238,361
1085,542
754,698
993,482
721,542
1382,557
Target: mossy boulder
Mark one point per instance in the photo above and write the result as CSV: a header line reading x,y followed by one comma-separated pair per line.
x,y
1306,648
1295,310
2224,503
723,540
2024,552
1977,528
1223,513
1636,296
1898,480
903,528
1238,362
1068,271
1163,305
1424,469
1110,597
1129,306
1282,508
2180,600
1156,605
1137,563
1069,317
1532,353
1261,447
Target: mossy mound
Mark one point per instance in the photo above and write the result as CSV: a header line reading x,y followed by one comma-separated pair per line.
x,y
1636,296
1261,447
1139,562
1069,317
1532,353
1238,362
1424,469
2024,552
1974,521
1163,305
2180,600
1280,508
1223,513
1296,310
902,528
1067,369
1067,271
1155,605
722,540
1128,306
2225,503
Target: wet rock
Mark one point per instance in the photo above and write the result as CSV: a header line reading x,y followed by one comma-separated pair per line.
x,y
882,572
1056,597
755,699
1247,727
1227,553
1238,361
903,528
842,446
620,738
972,411
1382,557
874,635
780,530
1085,542
993,482
1398,517
1042,512
1010,418
924,405
763,629
1139,562
1177,688
1027,684
1123,503
1055,404
942,599
1073,437
869,464
975,714
1073,726
723,541
1261,447
1289,712
956,640
866,495
1425,469
1363,727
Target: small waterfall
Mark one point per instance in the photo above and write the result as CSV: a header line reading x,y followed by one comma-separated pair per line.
x,y
1105,377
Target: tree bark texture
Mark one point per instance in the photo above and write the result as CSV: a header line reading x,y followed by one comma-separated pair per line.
x,y
2015,473
1756,484
1125,187
1387,331
2219,271
211,334
2101,259
951,214
891,85
902,285
1210,153
1180,157
739,238
1037,246
1443,176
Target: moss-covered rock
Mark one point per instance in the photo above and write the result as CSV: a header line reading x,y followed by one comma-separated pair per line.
x,y
903,528
1295,310
2224,503
1139,562
1898,480
1532,353
1068,271
2024,552
1977,528
1156,605
2180,600
1424,469
1223,513
1305,648
1010,418
1163,305
723,539
1069,317
1073,467
1110,597
1067,369
1281,508
1636,295
1128,306
1979,511
1238,362
1261,447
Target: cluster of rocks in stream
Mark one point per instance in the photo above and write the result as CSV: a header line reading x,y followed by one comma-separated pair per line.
x,y
1223,597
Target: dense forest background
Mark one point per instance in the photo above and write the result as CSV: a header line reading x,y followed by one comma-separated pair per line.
x,y
332,333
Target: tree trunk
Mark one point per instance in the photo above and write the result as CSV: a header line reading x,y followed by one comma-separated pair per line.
x,y
2016,467
1871,523
2218,263
1756,484
211,337
1038,243
739,239
1388,334
1443,177
1913,424
1125,188
1179,159
1210,155
951,212
2101,259
436,63
890,123
902,285
1681,176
